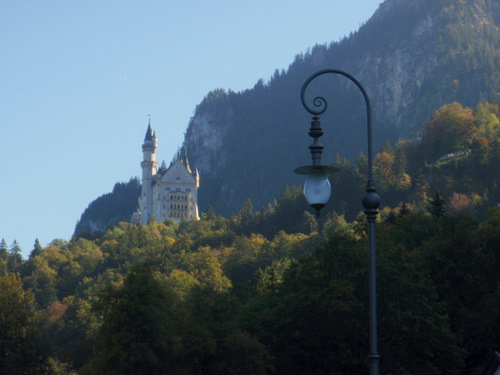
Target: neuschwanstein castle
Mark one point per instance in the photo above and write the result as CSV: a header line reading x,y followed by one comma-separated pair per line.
x,y
167,193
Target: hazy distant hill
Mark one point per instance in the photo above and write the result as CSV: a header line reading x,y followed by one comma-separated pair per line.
x,y
110,208
412,56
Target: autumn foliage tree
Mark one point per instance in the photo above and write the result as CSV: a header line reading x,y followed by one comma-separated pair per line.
x,y
452,128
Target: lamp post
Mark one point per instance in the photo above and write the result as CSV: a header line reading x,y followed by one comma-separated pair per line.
x,y
317,190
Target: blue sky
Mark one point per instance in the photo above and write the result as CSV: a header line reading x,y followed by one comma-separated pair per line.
x,y
79,79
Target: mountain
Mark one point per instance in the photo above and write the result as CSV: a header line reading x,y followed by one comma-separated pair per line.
x,y
412,57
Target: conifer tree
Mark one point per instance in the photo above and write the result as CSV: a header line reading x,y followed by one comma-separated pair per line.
x,y
15,248
3,247
436,206
15,259
37,249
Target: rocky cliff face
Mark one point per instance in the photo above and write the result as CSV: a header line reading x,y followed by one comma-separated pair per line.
x,y
205,138
412,57
398,73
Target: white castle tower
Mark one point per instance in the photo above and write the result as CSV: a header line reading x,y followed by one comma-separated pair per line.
x,y
148,166
167,193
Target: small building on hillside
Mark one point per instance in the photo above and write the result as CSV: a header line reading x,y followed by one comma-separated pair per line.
x,y
167,193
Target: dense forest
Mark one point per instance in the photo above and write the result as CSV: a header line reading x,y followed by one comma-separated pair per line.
x,y
278,290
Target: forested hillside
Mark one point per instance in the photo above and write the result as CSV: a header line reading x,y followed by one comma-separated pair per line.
x,y
458,156
110,208
273,292
277,290
412,57
259,285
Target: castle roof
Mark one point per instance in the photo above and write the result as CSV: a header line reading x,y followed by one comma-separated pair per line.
x,y
182,156
149,133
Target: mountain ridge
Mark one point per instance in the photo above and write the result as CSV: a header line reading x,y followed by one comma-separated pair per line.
x,y
412,57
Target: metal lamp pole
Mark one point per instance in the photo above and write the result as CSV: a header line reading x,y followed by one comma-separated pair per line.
x,y
317,192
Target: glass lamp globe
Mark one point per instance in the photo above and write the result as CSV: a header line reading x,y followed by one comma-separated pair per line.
x,y
317,190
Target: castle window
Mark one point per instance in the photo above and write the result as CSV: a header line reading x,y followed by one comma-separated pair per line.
x,y
188,190
177,189
177,178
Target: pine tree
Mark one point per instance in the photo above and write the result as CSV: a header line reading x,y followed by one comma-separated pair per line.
x,y
436,206
37,249
15,248
15,259
4,249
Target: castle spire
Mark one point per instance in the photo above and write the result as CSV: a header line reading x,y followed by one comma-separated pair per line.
x,y
184,158
149,133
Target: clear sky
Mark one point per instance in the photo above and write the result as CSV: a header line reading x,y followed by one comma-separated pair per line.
x,y
79,79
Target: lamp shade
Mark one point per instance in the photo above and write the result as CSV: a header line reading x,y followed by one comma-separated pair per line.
x,y
317,190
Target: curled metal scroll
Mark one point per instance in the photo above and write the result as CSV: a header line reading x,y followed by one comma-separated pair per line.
x,y
322,105
319,102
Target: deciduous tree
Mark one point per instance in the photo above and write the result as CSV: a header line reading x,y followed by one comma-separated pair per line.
x,y
139,334
20,347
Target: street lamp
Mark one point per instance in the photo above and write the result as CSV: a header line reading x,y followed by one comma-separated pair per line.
x,y
317,190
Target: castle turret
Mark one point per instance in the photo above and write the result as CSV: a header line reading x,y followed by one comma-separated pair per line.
x,y
148,166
